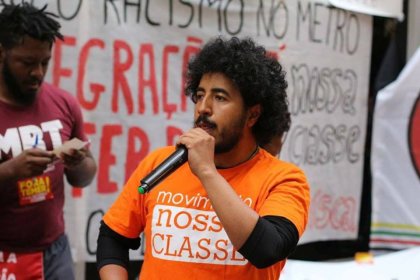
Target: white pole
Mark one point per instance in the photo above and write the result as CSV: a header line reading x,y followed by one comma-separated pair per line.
x,y
413,30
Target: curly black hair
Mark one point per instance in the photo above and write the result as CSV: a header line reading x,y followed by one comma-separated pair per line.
x,y
259,77
16,21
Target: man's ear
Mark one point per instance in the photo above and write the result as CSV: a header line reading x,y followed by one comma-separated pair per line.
x,y
253,114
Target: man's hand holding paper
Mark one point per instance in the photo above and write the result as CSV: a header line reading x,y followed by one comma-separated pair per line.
x,y
72,152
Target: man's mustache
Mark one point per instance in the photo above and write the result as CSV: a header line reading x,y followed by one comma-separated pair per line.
x,y
35,81
203,120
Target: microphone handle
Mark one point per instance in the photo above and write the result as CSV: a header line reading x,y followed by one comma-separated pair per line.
x,y
167,167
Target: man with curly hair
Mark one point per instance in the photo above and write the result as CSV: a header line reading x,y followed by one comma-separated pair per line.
x,y
36,118
234,211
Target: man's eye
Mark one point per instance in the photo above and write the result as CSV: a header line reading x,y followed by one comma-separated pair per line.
x,y
199,96
27,63
220,98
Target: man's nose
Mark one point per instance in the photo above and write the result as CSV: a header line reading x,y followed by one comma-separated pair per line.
x,y
205,106
38,71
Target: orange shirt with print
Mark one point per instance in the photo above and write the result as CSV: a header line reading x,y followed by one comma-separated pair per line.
x,y
184,237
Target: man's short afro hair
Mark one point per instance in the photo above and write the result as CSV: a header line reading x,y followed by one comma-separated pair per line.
x,y
17,21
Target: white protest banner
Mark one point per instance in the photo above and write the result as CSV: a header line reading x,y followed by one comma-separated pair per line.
x,y
396,162
328,84
382,8
124,60
401,265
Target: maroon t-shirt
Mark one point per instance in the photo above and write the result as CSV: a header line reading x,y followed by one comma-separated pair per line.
x,y
31,209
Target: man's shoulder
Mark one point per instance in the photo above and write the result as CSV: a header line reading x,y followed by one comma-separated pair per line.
x,y
276,163
54,91
47,87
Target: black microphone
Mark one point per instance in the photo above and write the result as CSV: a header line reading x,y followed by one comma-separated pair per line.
x,y
169,165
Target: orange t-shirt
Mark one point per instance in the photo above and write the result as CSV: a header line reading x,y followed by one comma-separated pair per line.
x,y
184,237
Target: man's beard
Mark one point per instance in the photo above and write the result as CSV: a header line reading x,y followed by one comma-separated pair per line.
x,y
228,137
15,91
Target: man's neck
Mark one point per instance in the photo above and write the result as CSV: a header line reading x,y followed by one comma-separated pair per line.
x,y
241,153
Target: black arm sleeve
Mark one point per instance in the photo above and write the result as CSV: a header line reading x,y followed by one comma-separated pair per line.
x,y
113,247
273,239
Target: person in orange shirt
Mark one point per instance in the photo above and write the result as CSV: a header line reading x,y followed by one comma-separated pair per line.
x,y
234,211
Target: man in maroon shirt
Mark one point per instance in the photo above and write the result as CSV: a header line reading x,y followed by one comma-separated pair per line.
x,y
35,119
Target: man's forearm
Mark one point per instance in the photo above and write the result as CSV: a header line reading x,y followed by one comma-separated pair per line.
x,y
237,218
